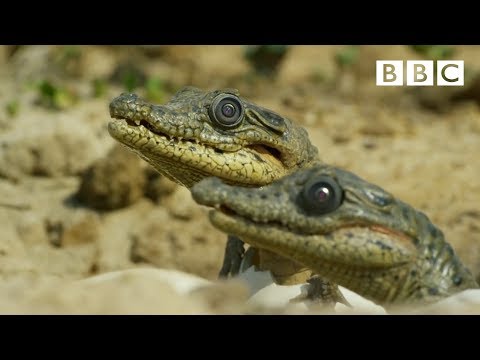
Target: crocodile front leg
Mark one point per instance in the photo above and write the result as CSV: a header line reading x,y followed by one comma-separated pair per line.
x,y
234,251
319,291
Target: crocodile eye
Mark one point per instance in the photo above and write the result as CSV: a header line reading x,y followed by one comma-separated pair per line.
x,y
321,195
226,110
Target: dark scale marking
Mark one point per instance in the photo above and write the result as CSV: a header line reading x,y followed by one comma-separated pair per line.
x,y
433,291
433,230
159,110
432,248
382,245
258,158
449,250
457,280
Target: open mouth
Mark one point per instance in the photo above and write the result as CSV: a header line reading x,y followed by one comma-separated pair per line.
x,y
226,210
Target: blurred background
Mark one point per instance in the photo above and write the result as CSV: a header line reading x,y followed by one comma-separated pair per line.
x,y
73,203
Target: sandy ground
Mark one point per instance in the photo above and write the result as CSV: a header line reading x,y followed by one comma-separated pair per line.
x,y
73,204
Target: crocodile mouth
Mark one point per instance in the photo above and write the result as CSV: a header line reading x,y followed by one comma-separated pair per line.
x,y
365,246
223,211
249,165
139,124
260,149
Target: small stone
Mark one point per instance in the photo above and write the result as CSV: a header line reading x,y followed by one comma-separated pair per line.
x,y
113,182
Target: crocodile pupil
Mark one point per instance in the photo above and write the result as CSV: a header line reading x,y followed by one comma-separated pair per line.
x,y
228,110
322,194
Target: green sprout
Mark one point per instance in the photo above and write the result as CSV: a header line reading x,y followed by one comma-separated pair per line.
x,y
155,88
347,56
434,52
129,76
12,108
265,59
99,87
54,97
130,81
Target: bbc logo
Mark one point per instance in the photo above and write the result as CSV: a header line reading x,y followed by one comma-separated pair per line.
x,y
420,73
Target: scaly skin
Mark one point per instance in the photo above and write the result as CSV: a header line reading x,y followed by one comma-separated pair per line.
x,y
183,141
356,235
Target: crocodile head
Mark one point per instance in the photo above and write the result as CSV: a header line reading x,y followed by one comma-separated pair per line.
x,y
349,231
217,133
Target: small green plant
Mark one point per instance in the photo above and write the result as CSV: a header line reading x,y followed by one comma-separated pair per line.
x,y
99,87
12,108
434,52
347,56
53,96
265,59
155,88
129,76
130,81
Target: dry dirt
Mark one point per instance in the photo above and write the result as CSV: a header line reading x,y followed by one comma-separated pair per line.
x,y
74,204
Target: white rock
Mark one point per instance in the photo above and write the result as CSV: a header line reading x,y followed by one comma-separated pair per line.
x,y
266,294
182,282
360,305
465,302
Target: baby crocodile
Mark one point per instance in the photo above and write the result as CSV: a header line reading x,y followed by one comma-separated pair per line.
x,y
199,134
349,231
